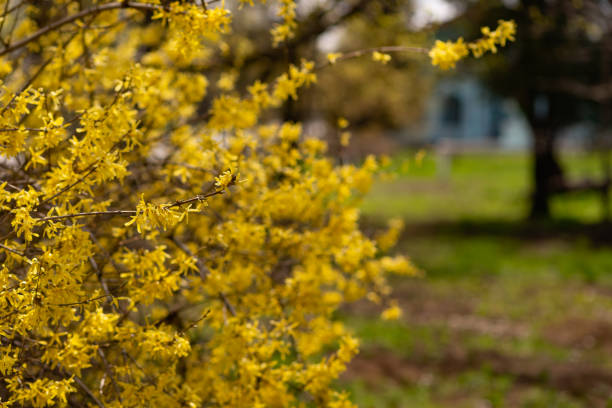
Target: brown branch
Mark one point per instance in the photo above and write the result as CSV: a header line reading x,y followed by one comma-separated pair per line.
x,y
84,302
77,16
14,187
9,314
89,169
68,187
12,250
362,52
84,387
14,129
94,265
199,197
33,77
88,214
109,372
203,270
194,324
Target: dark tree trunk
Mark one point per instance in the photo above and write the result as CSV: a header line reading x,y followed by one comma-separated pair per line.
x,y
547,174
546,171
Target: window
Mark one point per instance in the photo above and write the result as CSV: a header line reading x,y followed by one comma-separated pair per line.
x,y
451,111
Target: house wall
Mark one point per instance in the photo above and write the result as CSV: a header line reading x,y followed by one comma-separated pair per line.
x,y
483,119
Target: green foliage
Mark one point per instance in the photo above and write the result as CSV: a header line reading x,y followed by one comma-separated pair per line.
x,y
479,186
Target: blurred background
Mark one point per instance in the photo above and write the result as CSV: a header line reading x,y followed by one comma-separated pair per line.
x,y
500,170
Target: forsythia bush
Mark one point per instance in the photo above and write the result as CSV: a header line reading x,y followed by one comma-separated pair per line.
x,y
160,246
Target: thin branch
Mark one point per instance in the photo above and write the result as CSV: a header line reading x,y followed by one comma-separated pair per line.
x,y
84,302
14,129
81,14
194,324
365,51
84,387
89,169
30,80
77,16
68,187
109,371
14,187
3,19
16,252
199,197
203,273
94,265
12,312
88,214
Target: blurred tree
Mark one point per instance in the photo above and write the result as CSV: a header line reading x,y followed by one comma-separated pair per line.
x,y
395,93
558,72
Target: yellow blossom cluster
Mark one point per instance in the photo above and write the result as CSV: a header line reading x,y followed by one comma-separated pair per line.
x,y
381,57
504,32
446,54
285,30
156,255
162,246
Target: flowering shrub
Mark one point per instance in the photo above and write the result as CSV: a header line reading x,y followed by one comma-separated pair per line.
x,y
447,54
156,253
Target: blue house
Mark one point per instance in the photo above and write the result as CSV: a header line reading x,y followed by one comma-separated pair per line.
x,y
462,110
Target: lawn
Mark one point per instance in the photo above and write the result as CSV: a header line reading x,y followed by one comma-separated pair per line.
x,y
510,313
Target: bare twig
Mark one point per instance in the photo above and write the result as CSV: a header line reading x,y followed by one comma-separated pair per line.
x,y
84,387
199,197
88,214
109,372
365,51
84,302
89,169
204,273
194,324
30,80
16,252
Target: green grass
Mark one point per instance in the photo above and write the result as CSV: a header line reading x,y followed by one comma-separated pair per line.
x,y
494,186
507,308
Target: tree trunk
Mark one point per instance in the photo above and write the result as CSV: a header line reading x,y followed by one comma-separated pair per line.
x,y
546,172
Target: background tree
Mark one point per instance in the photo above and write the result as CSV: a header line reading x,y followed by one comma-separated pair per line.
x,y
559,72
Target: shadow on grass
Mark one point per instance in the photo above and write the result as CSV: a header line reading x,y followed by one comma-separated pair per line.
x,y
596,234
568,230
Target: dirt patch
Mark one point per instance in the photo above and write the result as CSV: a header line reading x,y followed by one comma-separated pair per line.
x,y
377,365
422,307
417,299
580,333
470,323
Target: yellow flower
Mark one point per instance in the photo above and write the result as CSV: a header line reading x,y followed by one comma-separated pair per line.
x,y
381,57
393,312
447,54
225,180
227,80
332,57
345,138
